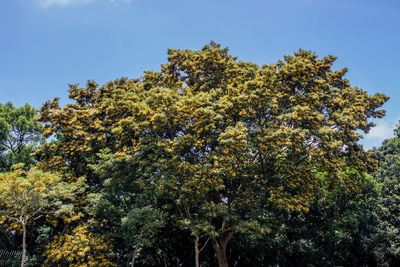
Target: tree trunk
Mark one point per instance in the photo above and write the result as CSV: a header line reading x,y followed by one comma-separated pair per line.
x,y
220,248
23,244
196,251
136,248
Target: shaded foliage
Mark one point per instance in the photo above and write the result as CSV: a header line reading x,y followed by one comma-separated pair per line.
x,y
388,176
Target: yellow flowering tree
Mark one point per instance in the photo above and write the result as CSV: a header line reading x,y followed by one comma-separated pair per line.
x,y
26,196
225,140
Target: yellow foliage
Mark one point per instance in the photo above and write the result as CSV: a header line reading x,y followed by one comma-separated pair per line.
x,y
79,248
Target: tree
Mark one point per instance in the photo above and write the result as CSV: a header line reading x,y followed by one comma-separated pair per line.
x,y
139,224
340,229
388,176
133,217
20,134
225,140
25,196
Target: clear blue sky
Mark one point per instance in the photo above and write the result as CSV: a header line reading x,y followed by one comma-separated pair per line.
x,y
47,44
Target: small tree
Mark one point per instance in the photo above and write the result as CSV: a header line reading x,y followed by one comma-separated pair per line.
x,y
140,224
20,133
25,196
129,205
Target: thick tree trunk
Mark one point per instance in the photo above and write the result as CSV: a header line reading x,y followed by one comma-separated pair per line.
x,y
220,248
222,259
23,244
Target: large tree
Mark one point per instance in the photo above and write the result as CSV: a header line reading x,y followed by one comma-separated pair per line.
x,y
224,140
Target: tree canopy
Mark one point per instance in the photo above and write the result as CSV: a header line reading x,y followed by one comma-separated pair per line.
x,y
20,134
220,141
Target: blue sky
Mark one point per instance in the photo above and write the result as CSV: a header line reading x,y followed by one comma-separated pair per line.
x,y
47,44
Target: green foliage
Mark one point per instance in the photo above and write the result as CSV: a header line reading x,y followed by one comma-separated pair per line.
x,y
388,176
133,218
20,135
341,229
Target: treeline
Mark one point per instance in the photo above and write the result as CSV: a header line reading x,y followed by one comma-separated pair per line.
x,y
209,162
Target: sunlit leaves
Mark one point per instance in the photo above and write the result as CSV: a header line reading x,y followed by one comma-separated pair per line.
x,y
25,196
78,248
220,137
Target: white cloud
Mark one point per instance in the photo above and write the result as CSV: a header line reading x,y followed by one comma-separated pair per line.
x,y
48,3
125,1
383,130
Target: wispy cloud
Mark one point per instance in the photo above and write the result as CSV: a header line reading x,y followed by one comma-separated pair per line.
x,y
383,130
48,3
125,1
